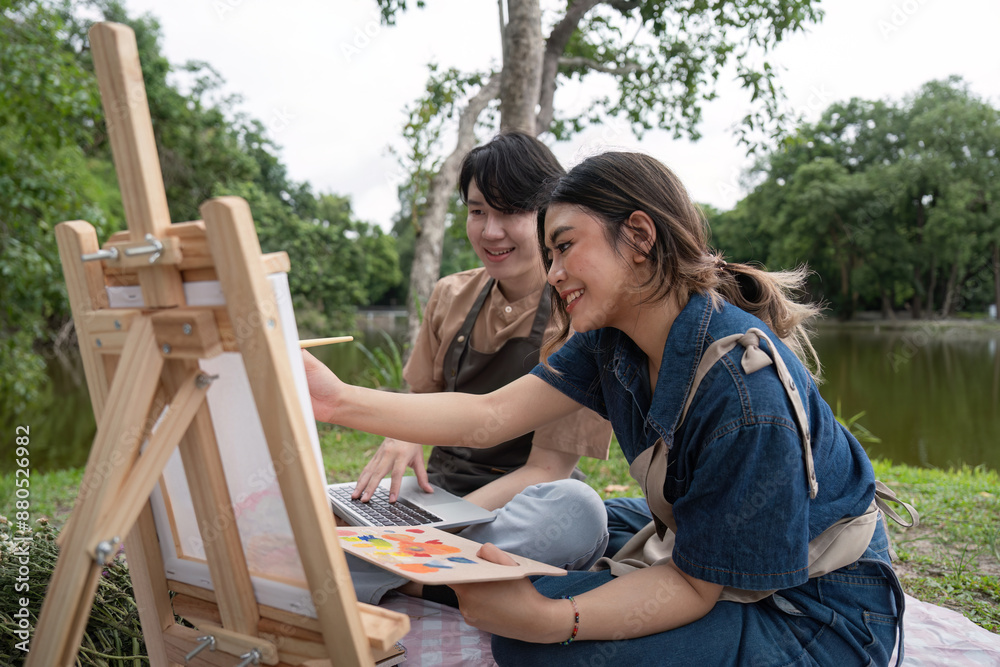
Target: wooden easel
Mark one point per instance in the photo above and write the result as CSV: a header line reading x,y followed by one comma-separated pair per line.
x,y
138,360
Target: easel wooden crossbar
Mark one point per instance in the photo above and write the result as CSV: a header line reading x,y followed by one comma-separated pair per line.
x,y
146,386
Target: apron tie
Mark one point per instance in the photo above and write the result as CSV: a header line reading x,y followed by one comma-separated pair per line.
x,y
754,358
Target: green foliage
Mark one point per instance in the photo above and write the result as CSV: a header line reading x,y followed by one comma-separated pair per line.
x,y
55,165
48,104
890,204
855,427
666,58
385,364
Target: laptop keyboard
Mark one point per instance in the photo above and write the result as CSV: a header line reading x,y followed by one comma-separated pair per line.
x,y
378,511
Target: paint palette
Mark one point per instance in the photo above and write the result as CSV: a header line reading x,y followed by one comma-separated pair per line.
x,y
432,556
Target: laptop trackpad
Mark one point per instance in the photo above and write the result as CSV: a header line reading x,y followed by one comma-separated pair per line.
x,y
411,489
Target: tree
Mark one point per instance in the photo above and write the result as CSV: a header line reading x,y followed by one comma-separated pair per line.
x,y
887,202
665,59
55,165
46,101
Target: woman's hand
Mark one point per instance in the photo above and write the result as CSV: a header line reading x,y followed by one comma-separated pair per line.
x,y
393,456
324,387
513,608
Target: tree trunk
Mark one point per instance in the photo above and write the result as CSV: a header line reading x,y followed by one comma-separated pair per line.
x,y
887,312
949,291
845,290
918,282
521,76
931,288
430,235
918,305
996,276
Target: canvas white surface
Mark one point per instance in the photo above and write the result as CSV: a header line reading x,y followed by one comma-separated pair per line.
x,y
266,534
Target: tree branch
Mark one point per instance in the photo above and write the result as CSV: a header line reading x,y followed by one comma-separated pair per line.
x,y
624,6
430,239
555,46
598,67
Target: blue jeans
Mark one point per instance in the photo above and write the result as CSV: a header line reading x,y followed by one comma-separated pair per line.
x,y
626,517
845,618
562,523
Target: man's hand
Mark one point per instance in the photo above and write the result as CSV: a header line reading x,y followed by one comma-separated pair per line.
x,y
393,456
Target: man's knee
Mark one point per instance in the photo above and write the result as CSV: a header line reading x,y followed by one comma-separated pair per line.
x,y
574,531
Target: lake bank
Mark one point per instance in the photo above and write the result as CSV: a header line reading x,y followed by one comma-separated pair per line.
x,y
868,320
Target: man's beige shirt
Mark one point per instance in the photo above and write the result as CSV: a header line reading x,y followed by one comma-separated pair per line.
x,y
583,432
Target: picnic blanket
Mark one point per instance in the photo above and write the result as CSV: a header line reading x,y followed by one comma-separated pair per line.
x,y
934,637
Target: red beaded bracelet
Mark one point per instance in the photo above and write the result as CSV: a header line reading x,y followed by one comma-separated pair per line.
x,y
576,620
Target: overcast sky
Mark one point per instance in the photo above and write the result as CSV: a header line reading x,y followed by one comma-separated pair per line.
x,y
331,83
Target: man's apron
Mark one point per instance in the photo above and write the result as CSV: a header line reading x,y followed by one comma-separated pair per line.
x,y
462,470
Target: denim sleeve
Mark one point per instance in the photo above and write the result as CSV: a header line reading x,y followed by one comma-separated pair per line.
x,y
575,371
744,520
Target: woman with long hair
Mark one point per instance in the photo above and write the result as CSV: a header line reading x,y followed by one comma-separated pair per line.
x,y
766,545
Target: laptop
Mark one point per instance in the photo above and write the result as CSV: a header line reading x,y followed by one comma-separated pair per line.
x,y
413,507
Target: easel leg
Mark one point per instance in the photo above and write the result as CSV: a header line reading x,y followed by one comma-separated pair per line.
x,y
74,582
145,565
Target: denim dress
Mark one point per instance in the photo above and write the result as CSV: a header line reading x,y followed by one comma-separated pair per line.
x,y
743,516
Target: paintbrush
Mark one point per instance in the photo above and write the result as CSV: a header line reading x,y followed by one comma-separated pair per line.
x,y
314,342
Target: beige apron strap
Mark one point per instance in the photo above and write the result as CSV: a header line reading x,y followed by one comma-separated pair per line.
x,y
755,358
715,351
885,495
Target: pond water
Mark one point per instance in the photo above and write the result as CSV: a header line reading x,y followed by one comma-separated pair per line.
x,y
931,397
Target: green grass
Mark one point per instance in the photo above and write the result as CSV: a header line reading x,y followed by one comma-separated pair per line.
x,y
51,494
952,559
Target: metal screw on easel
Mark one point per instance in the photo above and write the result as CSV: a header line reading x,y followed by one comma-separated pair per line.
x,y
207,642
107,253
104,550
250,658
204,380
186,329
154,249
165,349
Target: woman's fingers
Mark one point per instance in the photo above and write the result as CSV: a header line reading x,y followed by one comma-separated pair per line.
x,y
495,554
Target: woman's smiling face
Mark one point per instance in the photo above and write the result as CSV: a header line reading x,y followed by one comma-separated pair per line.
x,y
595,283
